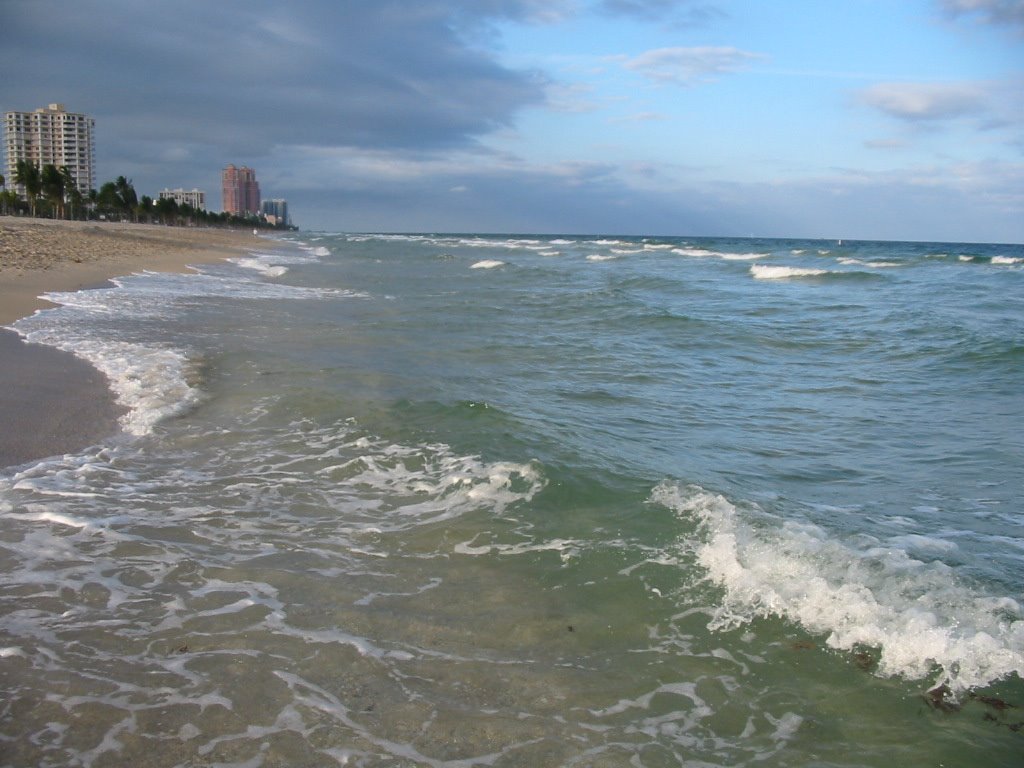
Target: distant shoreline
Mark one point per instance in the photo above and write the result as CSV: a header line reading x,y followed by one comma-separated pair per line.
x,y
50,401
43,255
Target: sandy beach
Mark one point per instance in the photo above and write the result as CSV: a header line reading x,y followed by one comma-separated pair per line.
x,y
50,401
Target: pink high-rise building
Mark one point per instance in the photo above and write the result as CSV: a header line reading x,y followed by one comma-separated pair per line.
x,y
241,191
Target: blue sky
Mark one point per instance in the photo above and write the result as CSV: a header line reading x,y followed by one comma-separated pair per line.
x,y
890,119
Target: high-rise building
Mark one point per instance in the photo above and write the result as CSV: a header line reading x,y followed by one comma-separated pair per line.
x,y
241,191
276,211
51,136
195,197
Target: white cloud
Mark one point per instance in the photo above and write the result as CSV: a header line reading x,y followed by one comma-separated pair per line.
x,y
885,144
926,101
574,98
689,66
994,108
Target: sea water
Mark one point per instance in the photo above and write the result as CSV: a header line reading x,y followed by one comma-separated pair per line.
x,y
459,500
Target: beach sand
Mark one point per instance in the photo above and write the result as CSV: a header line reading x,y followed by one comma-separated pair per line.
x,y
51,402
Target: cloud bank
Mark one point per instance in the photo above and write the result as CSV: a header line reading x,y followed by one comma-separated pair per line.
x,y
414,115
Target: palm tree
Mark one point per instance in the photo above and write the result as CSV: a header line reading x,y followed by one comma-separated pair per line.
x,y
167,209
144,210
53,189
71,192
108,200
27,175
125,191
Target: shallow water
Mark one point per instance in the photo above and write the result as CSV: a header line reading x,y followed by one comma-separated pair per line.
x,y
476,500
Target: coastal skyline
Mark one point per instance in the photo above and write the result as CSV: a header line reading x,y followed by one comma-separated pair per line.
x,y
796,119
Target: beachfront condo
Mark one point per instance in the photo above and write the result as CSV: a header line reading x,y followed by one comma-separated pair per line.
x,y
276,211
193,197
241,191
51,136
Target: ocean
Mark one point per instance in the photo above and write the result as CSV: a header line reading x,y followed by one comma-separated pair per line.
x,y
479,500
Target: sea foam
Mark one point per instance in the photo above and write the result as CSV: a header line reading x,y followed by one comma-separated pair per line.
x,y
152,381
924,622
766,272
261,265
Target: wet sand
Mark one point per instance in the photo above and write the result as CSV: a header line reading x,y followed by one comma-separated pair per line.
x,y
51,402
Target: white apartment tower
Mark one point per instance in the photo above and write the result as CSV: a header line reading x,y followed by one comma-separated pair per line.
x,y
51,136
195,197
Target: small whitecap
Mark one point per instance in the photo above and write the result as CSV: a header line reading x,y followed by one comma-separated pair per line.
x,y
765,272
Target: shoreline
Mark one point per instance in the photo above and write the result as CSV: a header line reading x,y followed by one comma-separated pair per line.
x,y
44,255
52,402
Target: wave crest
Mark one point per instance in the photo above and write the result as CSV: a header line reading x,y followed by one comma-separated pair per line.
x,y
766,272
922,619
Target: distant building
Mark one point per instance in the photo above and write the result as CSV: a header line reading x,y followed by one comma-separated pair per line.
x,y
241,191
195,197
276,211
51,136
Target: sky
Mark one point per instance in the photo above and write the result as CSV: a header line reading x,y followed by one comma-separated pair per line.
x,y
869,119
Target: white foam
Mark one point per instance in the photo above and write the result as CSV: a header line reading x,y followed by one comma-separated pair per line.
x,y
1007,260
260,265
785,726
401,486
766,272
601,257
488,264
870,264
149,381
643,702
565,547
923,619
704,253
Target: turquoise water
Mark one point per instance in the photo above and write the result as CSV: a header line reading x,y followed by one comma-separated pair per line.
x,y
453,500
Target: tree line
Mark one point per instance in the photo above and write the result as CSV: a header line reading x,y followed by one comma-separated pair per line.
x,y
51,192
